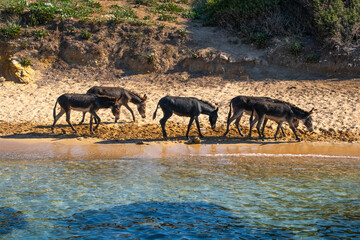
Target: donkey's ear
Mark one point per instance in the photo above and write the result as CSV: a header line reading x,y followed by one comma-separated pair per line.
x,y
312,110
144,98
217,109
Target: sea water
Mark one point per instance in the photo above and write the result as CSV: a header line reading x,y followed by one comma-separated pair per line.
x,y
210,196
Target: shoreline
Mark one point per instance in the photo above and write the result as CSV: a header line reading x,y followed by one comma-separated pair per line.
x,y
91,149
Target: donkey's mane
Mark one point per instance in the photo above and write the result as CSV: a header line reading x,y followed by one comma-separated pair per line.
x,y
293,106
134,93
206,102
296,108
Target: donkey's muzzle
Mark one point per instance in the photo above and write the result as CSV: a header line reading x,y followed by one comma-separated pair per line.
x,y
213,127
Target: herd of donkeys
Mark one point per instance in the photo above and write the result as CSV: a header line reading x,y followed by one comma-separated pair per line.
x,y
260,108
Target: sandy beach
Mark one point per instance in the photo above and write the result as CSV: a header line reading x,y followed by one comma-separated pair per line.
x,y
28,109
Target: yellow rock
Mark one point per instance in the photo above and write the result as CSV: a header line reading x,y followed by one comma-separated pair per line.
x,y
12,70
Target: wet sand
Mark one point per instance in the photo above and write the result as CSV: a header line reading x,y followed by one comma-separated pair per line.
x,y
88,149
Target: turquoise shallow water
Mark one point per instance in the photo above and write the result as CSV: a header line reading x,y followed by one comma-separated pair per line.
x,y
208,197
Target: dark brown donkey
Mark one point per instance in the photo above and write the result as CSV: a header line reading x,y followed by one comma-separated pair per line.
x,y
84,103
280,112
126,96
188,107
241,104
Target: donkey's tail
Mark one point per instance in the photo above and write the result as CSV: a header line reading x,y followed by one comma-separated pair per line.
x,y
229,115
54,111
154,115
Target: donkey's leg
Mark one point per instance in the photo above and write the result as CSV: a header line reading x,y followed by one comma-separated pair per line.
x,y
263,126
293,129
252,123
68,120
277,130
83,118
91,123
237,114
283,132
131,111
237,122
167,114
97,118
198,126
189,126
62,111
260,122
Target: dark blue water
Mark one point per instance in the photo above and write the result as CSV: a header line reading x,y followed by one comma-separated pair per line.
x,y
181,198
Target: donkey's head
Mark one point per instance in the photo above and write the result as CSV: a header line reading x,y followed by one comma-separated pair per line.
x,y
308,121
141,106
213,117
116,112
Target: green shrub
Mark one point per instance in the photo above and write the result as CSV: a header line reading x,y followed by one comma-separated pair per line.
x,y
182,33
92,4
83,11
39,34
136,22
85,35
11,31
15,7
25,62
337,21
312,58
195,55
122,14
167,17
149,3
24,45
295,47
259,39
146,17
151,58
188,14
66,12
41,13
170,7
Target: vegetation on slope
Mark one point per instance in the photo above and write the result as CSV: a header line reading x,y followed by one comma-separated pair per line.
x,y
334,22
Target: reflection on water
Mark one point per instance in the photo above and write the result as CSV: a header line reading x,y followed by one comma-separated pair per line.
x,y
180,198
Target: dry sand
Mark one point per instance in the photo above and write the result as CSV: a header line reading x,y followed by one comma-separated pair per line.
x,y
27,109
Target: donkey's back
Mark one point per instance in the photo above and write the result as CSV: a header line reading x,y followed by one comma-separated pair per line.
x,y
83,102
183,106
108,91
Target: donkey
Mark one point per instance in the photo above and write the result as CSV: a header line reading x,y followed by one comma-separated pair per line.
x,y
126,96
85,103
241,104
280,112
187,107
